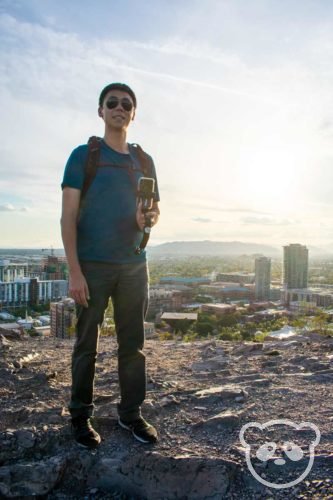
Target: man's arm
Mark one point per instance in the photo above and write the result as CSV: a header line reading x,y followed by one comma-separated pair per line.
x,y
78,288
153,213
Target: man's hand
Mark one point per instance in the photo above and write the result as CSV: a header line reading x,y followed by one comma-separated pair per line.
x,y
153,214
78,288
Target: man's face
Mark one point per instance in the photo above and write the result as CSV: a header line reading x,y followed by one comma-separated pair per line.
x,y
115,110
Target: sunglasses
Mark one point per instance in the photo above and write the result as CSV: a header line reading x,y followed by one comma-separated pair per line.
x,y
125,103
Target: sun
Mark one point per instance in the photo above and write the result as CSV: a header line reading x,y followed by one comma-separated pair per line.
x,y
271,178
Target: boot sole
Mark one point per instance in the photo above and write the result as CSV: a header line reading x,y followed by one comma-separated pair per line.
x,y
87,446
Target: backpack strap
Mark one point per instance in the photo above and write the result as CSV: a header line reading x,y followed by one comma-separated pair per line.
x,y
94,149
144,159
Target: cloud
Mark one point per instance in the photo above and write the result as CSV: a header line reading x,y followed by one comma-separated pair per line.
x,y
214,208
326,127
266,221
240,210
205,110
180,47
201,219
8,207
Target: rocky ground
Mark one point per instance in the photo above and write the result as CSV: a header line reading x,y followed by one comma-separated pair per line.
x,y
199,396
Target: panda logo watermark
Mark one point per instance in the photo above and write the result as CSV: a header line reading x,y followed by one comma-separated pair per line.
x,y
267,451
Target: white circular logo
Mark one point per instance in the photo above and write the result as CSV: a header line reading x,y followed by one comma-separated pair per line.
x,y
267,450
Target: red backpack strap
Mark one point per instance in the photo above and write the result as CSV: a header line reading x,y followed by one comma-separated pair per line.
x,y
94,149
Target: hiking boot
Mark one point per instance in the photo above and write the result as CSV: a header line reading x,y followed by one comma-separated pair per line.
x,y
141,430
83,432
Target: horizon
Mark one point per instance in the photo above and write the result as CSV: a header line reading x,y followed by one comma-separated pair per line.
x,y
238,118
315,252
169,242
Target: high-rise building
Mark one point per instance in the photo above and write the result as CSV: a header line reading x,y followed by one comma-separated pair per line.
x,y
11,271
31,291
262,278
295,266
62,318
15,293
54,268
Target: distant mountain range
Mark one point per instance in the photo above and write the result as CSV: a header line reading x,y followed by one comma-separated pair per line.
x,y
224,248
189,248
212,248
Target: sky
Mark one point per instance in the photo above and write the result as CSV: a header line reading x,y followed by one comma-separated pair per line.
x,y
235,104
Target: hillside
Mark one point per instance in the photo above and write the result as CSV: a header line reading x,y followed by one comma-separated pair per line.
x,y
199,395
212,248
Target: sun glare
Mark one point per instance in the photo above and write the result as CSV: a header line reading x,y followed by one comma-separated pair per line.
x,y
270,178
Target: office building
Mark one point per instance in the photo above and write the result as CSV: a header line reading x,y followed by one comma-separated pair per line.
x,y
63,317
31,291
54,268
319,297
262,278
236,277
11,271
218,309
226,292
295,266
161,300
15,293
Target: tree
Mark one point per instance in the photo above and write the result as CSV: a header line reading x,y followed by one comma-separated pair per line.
x,y
299,322
182,326
320,321
229,334
230,319
204,328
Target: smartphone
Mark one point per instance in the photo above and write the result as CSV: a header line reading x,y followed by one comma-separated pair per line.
x,y
146,187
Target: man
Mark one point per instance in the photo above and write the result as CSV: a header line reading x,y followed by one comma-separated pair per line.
x,y
100,232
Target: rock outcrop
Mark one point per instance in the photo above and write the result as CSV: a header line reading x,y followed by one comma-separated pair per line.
x,y
199,395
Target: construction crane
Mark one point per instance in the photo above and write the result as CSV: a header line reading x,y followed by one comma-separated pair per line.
x,y
47,249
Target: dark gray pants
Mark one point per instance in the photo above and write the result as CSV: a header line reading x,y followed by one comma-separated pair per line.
x,y
127,285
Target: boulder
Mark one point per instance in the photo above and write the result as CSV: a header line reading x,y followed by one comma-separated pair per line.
x,y
211,364
222,392
153,476
248,347
221,421
31,479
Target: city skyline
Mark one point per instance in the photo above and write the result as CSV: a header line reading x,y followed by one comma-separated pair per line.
x,y
238,117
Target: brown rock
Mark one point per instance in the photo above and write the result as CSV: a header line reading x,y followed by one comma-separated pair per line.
x,y
221,421
222,392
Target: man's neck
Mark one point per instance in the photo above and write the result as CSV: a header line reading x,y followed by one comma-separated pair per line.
x,y
116,140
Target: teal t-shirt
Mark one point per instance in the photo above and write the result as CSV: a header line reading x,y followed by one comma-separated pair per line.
x,y
107,230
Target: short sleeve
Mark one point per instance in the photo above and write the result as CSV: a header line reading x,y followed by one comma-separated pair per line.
x,y
153,173
74,170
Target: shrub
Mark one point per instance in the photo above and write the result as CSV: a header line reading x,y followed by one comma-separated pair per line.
x,y
166,336
190,337
229,335
204,328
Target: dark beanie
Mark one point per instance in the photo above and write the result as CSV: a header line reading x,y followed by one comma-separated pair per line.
x,y
117,86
